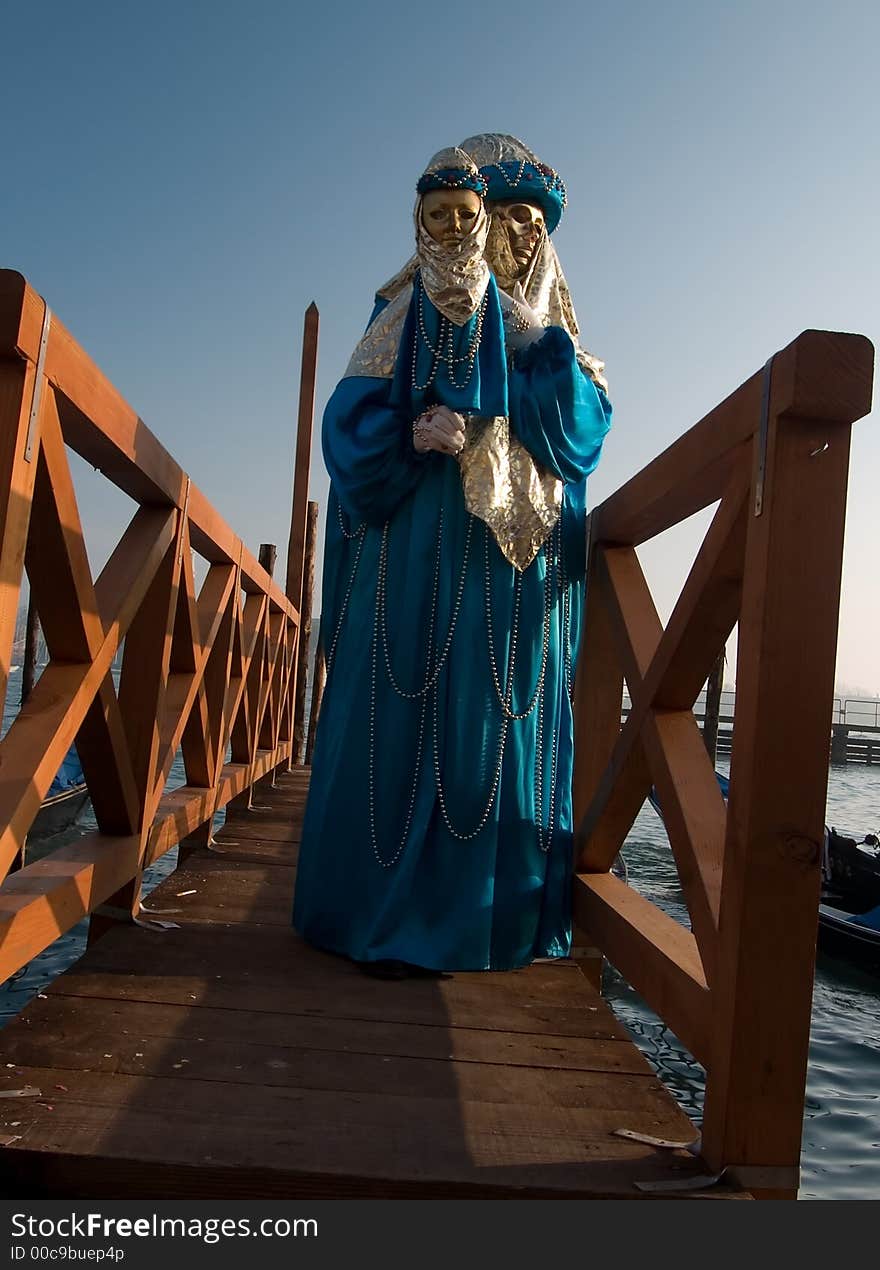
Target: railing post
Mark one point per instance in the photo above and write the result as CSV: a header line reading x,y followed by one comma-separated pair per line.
x,y
21,383
267,556
198,670
142,688
598,697
839,736
771,875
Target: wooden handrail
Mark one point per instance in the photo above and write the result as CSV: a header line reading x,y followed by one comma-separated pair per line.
x,y
736,986
209,673
212,673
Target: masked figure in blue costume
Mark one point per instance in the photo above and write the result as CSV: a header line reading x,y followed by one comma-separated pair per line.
x,y
438,828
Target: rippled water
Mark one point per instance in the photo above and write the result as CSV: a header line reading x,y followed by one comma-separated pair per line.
x,y
841,1144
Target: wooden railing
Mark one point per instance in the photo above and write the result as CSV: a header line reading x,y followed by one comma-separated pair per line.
x,y
736,988
209,673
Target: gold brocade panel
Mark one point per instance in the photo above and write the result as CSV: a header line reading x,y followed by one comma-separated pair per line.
x,y
504,486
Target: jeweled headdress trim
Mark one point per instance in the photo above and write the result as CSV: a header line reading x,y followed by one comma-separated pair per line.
x,y
453,179
532,182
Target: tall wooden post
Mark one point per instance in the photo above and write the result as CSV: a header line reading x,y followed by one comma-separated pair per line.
x,y
267,556
297,542
839,735
317,697
296,547
21,392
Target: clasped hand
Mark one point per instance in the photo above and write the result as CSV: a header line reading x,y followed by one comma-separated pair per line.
x,y
439,429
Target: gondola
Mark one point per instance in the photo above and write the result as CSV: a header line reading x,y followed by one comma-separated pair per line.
x,y
63,805
58,812
852,867
849,902
849,906
852,935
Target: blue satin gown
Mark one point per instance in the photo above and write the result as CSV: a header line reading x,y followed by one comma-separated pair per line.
x,y
438,828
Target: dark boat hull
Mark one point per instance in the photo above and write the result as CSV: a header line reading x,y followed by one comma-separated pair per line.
x,y
840,936
850,888
58,813
853,869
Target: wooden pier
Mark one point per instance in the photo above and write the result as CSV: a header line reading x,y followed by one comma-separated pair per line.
x,y
223,1057
855,744
849,743
227,1058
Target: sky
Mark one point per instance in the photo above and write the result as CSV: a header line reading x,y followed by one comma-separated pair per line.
x,y
182,179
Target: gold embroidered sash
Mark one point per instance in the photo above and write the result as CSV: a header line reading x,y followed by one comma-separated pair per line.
x,y
504,486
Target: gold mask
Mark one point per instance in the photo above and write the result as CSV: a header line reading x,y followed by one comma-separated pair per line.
x,y
450,215
517,228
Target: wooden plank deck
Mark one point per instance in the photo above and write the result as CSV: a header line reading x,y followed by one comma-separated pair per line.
x,y
229,1059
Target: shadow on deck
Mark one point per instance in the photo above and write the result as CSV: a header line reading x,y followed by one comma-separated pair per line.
x,y
229,1059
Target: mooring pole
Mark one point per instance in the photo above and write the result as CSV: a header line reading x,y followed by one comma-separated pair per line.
x,y
296,546
317,697
297,542
267,557
713,707
305,636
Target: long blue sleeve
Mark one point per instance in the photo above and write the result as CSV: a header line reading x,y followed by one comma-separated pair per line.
x,y
368,449
556,410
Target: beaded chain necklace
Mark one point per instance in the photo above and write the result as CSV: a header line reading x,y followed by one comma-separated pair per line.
x,y
428,693
436,656
444,353
348,535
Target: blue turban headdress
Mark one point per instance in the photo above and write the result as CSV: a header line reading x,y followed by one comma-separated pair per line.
x,y
512,171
